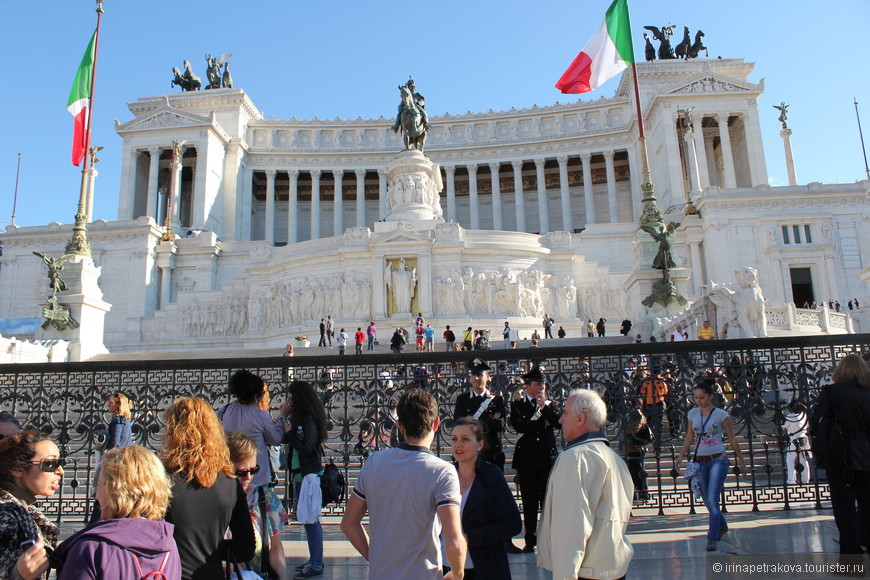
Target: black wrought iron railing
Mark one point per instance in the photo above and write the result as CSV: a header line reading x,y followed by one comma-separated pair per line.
x,y
757,380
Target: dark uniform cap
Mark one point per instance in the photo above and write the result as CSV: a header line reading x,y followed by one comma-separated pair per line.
x,y
477,366
534,375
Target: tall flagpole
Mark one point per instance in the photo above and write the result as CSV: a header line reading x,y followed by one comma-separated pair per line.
x,y
79,244
650,213
15,197
860,132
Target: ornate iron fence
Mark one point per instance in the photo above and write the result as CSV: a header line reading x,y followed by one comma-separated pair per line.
x,y
758,379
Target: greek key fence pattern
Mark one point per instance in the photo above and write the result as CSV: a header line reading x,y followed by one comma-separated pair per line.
x,y
758,379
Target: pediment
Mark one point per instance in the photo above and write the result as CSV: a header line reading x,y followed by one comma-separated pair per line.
x,y
166,117
708,83
403,234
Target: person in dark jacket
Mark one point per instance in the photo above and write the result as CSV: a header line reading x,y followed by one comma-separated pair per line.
x,y
119,433
397,342
132,539
206,497
485,406
490,517
536,418
306,433
845,405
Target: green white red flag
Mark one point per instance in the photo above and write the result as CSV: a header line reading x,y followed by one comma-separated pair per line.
x,y
607,54
80,100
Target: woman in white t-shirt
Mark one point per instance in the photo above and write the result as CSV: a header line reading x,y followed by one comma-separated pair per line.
x,y
708,423
796,425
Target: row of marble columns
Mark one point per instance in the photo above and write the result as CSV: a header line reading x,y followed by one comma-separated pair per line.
x,y
544,225
701,151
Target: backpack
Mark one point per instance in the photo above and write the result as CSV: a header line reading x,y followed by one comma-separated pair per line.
x,y
158,574
331,485
449,336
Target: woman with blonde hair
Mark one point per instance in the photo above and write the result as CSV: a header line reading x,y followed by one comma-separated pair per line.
x,y
119,433
206,496
841,445
267,512
132,539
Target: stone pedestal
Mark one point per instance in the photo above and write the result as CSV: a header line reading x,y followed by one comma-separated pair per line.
x,y
413,189
789,156
84,299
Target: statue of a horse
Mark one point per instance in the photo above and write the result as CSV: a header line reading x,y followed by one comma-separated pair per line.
x,y
193,81
682,49
664,38
649,49
413,129
213,70
698,46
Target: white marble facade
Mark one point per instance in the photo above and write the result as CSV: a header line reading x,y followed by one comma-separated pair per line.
x,y
518,213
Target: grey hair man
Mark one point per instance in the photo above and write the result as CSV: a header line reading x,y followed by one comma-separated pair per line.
x,y
582,533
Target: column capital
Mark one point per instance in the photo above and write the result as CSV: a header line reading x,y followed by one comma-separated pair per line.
x,y
382,173
154,151
720,117
338,173
270,173
563,160
539,162
608,154
449,169
586,157
360,173
495,166
517,165
293,173
472,168
315,172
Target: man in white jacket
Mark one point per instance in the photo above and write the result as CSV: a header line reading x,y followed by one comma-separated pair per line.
x,y
589,494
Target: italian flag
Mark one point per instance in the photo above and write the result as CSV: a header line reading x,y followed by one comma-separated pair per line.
x,y
607,54
79,100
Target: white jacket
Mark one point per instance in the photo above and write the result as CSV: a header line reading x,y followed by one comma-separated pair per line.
x,y
585,515
308,505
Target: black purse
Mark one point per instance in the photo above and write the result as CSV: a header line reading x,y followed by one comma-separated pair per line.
x,y
232,564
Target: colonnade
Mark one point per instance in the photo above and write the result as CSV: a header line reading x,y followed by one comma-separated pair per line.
x,y
482,195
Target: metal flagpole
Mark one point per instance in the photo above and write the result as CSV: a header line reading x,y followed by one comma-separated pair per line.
x,y
79,244
650,213
860,132
15,197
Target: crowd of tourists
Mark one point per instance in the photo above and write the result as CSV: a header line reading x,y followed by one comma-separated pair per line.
x,y
203,505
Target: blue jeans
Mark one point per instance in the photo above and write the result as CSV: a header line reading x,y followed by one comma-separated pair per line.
x,y
314,533
712,482
371,345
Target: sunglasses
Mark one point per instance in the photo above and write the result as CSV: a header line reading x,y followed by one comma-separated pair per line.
x,y
245,472
49,465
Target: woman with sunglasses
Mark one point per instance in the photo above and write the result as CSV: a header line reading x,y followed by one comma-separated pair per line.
x,y
131,540
305,436
30,466
206,496
267,512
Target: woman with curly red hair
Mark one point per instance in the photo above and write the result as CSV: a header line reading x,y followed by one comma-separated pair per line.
x,y
206,496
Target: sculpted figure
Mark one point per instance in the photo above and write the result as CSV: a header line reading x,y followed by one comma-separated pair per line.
x,y
660,233
213,70
740,306
664,38
412,118
55,265
783,114
402,283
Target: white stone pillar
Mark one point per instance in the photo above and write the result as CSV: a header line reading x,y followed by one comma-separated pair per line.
x,y
588,192
674,167
153,178
755,148
691,154
612,200
494,170
711,159
382,194
701,153
175,193
92,177
198,192
270,206
789,157
315,204
543,213
338,203
450,171
473,205
519,200
128,193
697,268
727,154
166,252
293,207
247,198
360,197
565,193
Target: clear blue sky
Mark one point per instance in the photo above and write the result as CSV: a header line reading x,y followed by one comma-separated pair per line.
x,y
345,58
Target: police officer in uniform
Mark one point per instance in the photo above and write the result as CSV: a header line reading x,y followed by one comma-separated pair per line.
x,y
535,418
487,407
